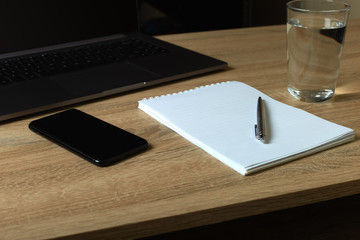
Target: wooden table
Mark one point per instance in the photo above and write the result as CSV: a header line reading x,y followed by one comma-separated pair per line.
x,y
47,192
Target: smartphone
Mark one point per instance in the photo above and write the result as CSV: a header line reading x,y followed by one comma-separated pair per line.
x,y
95,140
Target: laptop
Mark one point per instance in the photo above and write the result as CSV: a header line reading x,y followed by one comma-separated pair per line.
x,y
60,52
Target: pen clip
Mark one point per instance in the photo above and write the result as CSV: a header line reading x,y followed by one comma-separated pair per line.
x,y
257,135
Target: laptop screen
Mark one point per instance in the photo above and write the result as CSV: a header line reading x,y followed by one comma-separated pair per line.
x,y
26,24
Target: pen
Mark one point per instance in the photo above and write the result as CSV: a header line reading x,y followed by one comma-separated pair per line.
x,y
260,126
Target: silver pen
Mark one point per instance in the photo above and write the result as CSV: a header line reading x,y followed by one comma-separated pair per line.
x,y
260,132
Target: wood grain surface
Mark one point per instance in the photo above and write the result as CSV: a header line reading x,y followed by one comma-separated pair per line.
x,y
47,192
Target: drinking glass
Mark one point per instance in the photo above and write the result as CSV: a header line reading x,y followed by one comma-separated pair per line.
x,y
315,38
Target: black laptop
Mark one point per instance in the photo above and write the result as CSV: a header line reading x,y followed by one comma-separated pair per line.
x,y
59,52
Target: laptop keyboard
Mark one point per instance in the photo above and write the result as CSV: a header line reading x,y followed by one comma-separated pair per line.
x,y
51,63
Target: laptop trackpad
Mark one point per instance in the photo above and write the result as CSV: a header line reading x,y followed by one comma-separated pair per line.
x,y
103,78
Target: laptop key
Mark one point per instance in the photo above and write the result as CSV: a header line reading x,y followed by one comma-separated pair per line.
x,y
4,80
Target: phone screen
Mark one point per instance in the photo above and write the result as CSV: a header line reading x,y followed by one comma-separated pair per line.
x,y
95,140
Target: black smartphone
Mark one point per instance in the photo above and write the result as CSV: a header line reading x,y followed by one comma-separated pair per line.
x,y
95,140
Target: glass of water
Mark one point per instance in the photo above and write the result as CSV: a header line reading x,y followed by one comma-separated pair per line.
x,y
315,37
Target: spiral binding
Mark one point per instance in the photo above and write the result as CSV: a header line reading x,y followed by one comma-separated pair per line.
x,y
185,91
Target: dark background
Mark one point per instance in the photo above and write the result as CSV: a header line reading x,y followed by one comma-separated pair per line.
x,y
159,17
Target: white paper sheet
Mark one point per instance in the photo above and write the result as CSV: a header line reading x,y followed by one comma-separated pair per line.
x,y
220,119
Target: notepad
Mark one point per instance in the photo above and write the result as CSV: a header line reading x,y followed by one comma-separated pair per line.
x,y
220,119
